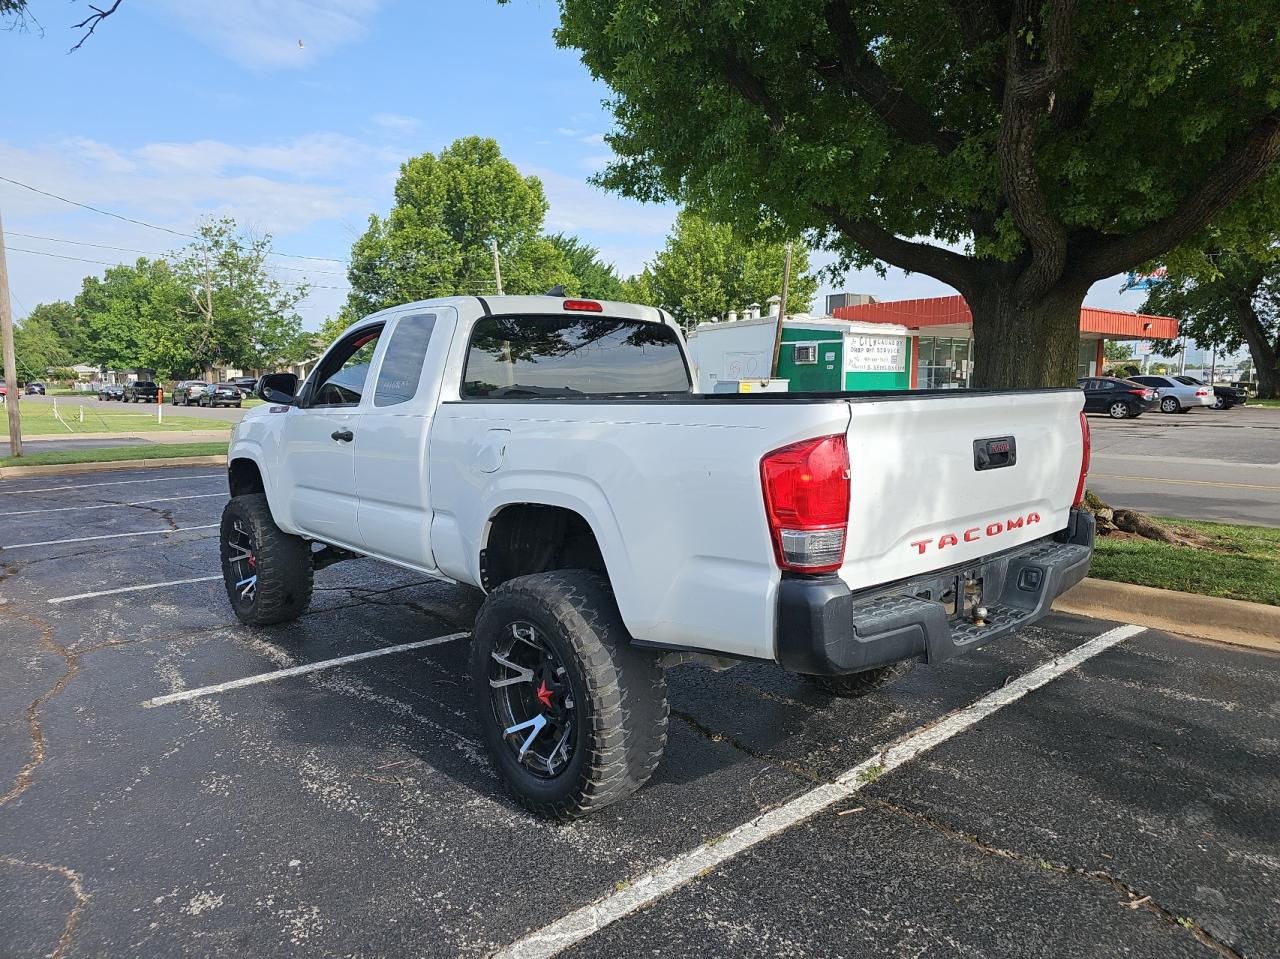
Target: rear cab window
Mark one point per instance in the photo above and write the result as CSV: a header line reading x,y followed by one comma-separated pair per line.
x,y
572,357
404,361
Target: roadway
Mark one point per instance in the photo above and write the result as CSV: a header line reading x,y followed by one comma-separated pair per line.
x,y
1206,464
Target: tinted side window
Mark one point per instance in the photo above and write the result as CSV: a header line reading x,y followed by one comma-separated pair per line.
x,y
572,356
402,364
341,378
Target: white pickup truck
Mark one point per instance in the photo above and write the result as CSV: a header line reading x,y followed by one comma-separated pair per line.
x,y
554,453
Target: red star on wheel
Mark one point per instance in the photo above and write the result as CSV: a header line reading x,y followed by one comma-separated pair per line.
x,y
544,694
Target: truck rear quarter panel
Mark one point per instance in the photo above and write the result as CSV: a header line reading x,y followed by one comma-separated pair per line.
x,y
670,489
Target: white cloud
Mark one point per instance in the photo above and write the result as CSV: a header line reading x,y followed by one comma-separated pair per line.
x,y
579,207
272,34
396,122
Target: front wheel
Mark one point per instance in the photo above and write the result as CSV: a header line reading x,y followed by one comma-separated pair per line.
x,y
1119,411
1170,404
853,685
574,716
1219,403
267,572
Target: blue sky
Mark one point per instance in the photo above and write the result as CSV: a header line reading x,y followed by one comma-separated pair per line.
x,y
293,116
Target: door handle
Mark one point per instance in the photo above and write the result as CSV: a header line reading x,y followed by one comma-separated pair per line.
x,y
343,436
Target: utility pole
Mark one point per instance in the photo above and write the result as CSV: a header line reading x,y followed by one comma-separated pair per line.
x,y
1182,360
10,358
497,267
782,313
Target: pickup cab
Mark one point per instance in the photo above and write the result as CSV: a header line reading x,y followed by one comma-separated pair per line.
x,y
555,454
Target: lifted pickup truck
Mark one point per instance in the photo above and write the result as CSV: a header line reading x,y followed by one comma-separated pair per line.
x,y
554,453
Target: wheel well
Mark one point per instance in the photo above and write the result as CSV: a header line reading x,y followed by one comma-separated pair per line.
x,y
245,477
529,538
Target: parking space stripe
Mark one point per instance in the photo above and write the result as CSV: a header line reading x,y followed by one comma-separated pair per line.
x,y
1181,482
132,589
643,892
86,539
141,502
162,479
189,694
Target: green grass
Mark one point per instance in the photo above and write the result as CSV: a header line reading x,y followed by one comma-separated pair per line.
x,y
115,454
38,419
1246,565
1273,404
251,401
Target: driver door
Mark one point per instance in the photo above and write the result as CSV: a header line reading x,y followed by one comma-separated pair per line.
x,y
319,441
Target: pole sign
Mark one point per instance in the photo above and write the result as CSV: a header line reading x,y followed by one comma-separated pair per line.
x,y
875,354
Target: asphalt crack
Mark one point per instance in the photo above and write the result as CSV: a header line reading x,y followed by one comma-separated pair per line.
x,y
75,882
1137,899
71,660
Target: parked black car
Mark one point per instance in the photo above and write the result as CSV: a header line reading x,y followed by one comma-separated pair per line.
x,y
111,391
1119,399
34,389
141,391
221,394
245,384
1224,397
186,392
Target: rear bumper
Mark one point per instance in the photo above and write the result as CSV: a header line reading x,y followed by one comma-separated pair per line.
x,y
824,629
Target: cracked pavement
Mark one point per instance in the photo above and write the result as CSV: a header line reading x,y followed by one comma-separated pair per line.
x,y
1127,808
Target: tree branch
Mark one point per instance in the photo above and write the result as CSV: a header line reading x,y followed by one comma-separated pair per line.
x,y
92,22
857,70
943,264
750,87
1028,96
1240,169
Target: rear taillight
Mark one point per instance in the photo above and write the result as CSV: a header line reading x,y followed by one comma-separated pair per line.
x,y
806,500
1084,461
1145,394
1202,392
583,306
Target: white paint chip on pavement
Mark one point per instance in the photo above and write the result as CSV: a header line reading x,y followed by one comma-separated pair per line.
x,y
582,923
189,694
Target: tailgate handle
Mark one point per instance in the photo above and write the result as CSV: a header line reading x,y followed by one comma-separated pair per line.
x,y
994,453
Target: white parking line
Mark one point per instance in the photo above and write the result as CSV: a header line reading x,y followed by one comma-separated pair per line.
x,y
132,589
162,479
188,694
582,923
141,502
86,539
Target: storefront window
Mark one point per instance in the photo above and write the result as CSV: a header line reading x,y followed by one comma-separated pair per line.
x,y
1086,357
945,362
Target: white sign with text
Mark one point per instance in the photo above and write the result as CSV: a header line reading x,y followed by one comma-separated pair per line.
x,y
875,354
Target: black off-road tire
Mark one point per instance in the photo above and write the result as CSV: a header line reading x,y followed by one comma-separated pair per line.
x,y
864,683
282,563
620,691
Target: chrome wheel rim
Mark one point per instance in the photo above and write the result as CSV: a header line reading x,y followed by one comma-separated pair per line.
x,y
533,700
1119,411
243,563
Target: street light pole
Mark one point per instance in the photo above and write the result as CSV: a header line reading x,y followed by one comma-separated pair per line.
x,y
10,358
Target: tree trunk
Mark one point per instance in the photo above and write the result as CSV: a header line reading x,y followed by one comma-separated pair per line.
x,y
1265,354
1018,343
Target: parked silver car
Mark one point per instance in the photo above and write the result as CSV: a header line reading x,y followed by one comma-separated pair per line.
x,y
1177,397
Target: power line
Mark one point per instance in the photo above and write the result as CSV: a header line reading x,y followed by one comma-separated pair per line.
x,y
125,249
85,206
151,226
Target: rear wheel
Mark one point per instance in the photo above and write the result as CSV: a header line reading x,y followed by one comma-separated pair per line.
x,y
574,716
1170,404
267,572
1219,403
1119,410
853,685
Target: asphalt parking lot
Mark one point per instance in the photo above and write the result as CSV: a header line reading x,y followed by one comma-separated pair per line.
x,y
1081,789
1221,465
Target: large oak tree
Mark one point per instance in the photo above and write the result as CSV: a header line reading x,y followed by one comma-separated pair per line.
x,y
1018,151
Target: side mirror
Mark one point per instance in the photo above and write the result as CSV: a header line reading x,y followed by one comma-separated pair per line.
x,y
279,388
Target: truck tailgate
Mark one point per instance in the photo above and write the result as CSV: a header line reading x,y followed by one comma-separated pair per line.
x,y
929,484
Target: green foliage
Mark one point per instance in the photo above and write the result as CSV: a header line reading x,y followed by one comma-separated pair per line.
x,y
706,270
214,303
1116,352
37,344
591,277
436,239
1019,152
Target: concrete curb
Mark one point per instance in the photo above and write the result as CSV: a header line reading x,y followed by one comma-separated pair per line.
x,y
16,472
1205,617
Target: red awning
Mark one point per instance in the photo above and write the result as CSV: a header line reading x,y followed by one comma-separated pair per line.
x,y
952,310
